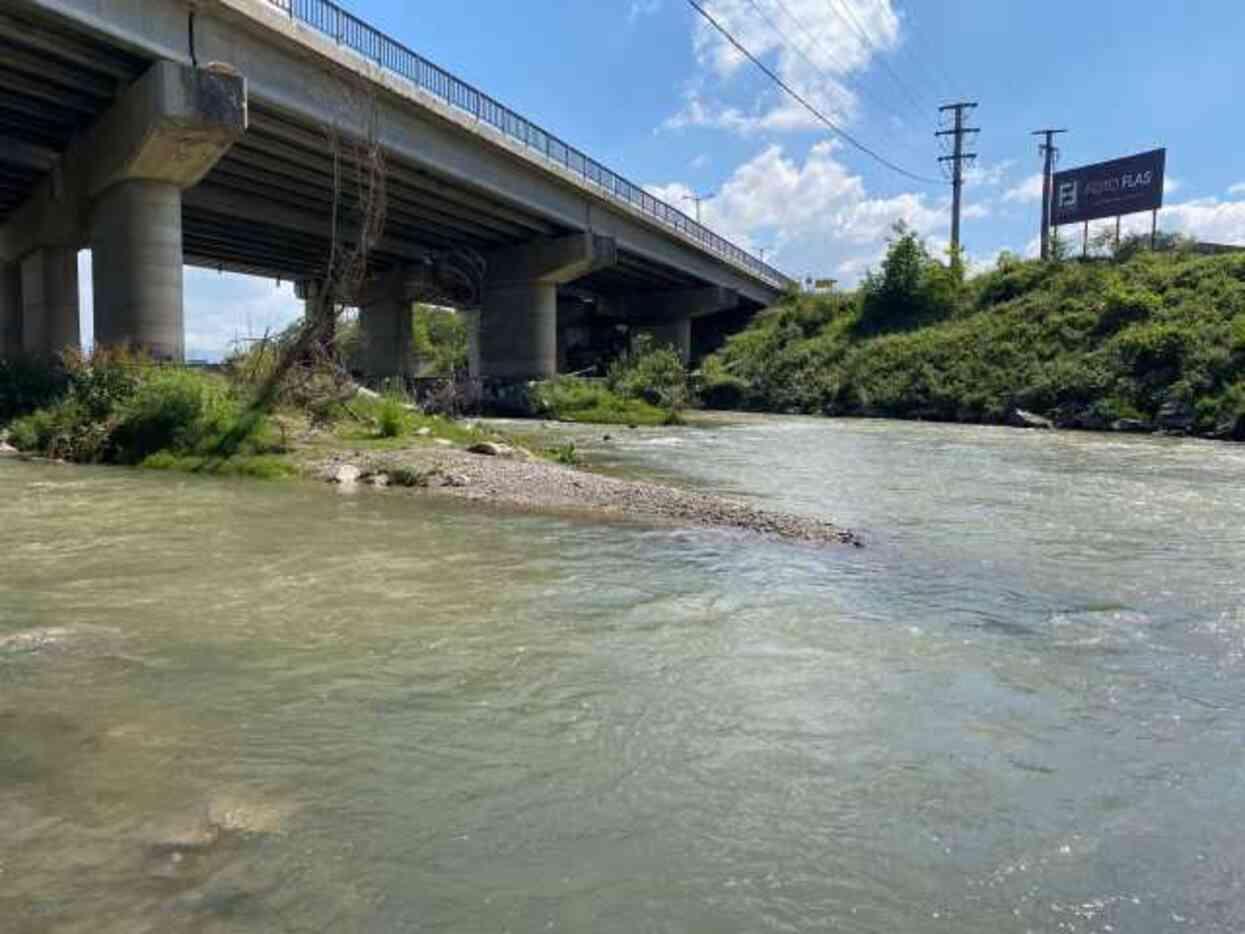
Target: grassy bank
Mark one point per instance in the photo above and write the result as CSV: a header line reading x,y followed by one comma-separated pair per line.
x,y
1148,341
117,408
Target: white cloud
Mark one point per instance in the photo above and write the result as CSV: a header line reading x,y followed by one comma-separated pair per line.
x,y
1237,190
815,216
819,47
1028,190
987,175
641,8
1171,184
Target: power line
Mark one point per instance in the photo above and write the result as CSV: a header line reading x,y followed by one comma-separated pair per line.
x,y
816,39
840,8
807,106
790,43
932,64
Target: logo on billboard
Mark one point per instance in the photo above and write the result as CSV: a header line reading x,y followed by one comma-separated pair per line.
x,y
1067,195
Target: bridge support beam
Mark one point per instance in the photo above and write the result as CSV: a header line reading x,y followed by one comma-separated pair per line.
x,y
517,335
10,309
49,292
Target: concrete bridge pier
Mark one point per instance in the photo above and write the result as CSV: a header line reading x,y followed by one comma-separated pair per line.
x,y
386,325
118,188
517,335
667,316
136,245
10,309
49,297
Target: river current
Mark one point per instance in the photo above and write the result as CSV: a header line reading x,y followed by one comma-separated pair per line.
x,y
239,706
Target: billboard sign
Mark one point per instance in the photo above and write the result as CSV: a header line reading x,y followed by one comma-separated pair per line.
x,y
1109,189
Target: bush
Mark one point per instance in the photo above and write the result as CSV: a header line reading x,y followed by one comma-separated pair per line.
x,y
391,417
1084,343
572,399
651,373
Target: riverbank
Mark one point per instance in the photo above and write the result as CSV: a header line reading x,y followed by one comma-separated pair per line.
x,y
1144,343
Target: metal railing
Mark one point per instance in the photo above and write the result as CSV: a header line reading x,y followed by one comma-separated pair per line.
x,y
331,20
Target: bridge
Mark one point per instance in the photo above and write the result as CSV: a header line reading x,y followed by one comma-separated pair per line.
x,y
164,133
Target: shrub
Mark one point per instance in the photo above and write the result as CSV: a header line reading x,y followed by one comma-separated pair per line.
x,y
391,416
651,373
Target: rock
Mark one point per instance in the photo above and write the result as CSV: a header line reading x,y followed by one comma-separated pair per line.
x,y
424,432
1130,425
607,437
455,479
345,474
444,442
379,479
491,449
7,450
366,393
1019,418
1176,416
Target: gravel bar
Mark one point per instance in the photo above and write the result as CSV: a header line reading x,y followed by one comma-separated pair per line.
x,y
516,479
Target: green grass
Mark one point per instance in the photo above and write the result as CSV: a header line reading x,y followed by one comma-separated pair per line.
x,y
570,399
1084,343
257,466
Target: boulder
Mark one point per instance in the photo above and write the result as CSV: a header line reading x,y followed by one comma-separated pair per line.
x,y
423,432
7,450
455,479
1019,418
345,474
444,442
1176,416
1130,426
491,449
378,479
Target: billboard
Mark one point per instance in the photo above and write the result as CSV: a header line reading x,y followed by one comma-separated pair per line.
x,y
1109,189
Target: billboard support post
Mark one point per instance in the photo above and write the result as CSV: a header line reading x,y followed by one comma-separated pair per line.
x,y
1085,242
1154,230
1117,233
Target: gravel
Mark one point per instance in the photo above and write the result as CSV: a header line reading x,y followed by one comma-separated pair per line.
x,y
522,481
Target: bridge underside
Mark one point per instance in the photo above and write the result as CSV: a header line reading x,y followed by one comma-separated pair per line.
x,y
107,143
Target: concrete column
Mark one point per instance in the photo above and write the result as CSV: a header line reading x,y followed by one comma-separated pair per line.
x,y
10,309
385,329
518,332
471,321
136,244
50,301
675,333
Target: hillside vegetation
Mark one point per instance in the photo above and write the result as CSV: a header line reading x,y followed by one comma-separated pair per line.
x,y
1148,341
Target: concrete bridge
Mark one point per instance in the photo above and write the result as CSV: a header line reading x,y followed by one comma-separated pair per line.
x,y
161,133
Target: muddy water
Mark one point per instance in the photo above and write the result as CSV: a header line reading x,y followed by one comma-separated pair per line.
x,y
232,706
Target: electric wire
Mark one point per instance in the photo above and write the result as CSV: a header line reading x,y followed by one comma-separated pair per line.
x,y
844,12
795,46
851,140
817,40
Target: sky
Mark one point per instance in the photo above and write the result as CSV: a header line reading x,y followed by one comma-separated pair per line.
x,y
650,90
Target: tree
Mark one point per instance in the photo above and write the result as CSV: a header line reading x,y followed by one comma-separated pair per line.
x,y
913,288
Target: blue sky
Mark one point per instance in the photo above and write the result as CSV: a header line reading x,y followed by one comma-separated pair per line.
x,y
648,89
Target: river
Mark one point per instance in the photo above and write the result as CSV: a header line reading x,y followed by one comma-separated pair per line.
x,y
239,706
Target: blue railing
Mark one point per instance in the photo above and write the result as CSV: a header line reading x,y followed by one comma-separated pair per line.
x,y
328,18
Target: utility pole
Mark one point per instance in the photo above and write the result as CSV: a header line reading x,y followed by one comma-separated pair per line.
x,y
957,159
1051,153
698,199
